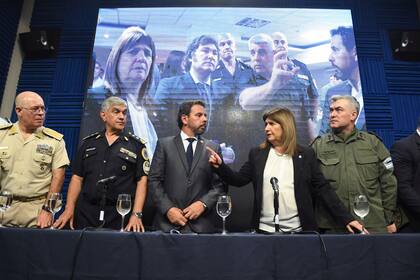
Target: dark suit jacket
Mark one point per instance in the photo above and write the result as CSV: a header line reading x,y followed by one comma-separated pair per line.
x,y
406,157
173,91
172,185
310,186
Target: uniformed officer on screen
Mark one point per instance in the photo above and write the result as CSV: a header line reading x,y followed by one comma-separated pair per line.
x,y
356,162
108,163
33,159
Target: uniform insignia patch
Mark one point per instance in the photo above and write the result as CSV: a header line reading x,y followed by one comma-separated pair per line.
x,y
44,149
146,167
388,163
144,154
128,153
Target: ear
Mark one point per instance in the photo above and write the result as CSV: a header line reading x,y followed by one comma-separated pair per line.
x,y
353,116
18,111
103,116
354,53
184,119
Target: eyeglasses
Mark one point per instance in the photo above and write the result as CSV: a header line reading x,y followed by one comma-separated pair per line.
x,y
37,109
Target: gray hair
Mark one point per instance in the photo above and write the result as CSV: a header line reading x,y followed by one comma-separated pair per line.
x,y
261,38
353,101
225,36
112,101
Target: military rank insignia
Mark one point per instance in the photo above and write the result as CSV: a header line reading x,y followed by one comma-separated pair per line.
x,y
146,167
128,153
44,149
144,154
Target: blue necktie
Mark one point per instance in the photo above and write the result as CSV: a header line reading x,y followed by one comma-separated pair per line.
x,y
204,91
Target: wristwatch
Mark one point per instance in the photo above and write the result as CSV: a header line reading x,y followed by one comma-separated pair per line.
x,y
138,214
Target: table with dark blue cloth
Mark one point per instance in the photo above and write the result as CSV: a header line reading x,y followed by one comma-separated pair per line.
x,y
63,254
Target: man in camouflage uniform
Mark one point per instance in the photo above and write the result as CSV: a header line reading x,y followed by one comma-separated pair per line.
x,y
33,160
356,162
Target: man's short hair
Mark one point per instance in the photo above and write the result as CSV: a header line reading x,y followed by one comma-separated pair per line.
x,y
353,101
347,36
261,38
225,36
185,109
112,101
193,46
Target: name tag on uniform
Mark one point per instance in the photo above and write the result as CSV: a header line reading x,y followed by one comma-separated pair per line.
x,y
90,149
128,153
44,149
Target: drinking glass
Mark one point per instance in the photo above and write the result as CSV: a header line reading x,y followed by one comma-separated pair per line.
x,y
6,198
361,208
54,204
224,208
123,206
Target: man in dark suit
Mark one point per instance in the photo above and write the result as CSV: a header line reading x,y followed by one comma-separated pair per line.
x,y
406,157
201,58
343,58
182,183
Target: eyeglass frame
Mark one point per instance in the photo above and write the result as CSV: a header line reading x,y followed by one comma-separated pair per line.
x,y
36,109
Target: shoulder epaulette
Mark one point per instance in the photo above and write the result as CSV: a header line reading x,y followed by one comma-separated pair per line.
x,y
313,141
6,126
376,135
244,65
138,139
52,133
90,136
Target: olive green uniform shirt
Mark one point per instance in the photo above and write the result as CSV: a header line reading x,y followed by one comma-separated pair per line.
x,y
360,164
26,165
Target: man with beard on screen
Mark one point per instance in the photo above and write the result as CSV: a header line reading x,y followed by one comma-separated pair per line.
x,y
343,58
201,58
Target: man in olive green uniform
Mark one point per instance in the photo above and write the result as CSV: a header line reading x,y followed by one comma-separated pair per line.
x,y
33,160
356,162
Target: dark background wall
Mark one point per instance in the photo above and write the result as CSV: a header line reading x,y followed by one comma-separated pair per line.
x,y
391,88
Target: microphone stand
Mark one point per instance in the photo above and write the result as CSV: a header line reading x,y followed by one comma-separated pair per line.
x,y
276,211
102,205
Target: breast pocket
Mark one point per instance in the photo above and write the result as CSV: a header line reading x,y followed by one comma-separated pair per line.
x,y
90,158
5,158
126,164
42,163
330,168
367,166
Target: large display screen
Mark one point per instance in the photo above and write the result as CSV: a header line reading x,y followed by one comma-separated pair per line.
x,y
239,61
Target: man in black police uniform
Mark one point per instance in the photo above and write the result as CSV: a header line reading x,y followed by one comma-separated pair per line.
x,y
233,73
102,155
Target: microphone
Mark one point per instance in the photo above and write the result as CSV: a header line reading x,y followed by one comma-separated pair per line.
x,y
276,219
274,184
107,180
102,202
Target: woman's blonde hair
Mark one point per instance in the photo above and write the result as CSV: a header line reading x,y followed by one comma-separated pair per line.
x,y
285,118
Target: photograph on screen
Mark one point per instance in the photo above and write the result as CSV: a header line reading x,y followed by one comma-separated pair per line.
x,y
239,61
